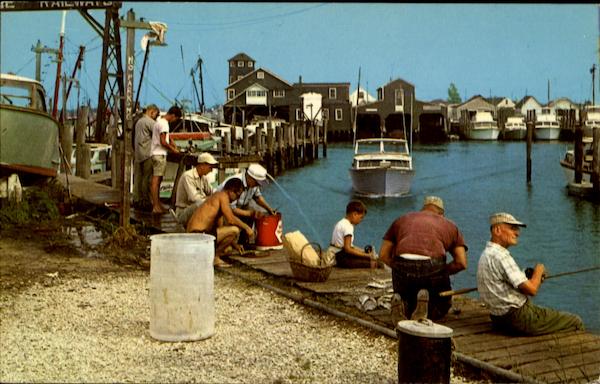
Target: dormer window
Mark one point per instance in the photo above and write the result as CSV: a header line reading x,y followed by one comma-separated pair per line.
x,y
279,93
240,64
250,64
260,75
332,93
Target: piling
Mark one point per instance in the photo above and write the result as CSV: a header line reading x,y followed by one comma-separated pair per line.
x,y
530,127
595,176
82,156
578,152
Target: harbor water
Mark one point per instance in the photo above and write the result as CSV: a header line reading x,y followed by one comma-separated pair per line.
x,y
475,179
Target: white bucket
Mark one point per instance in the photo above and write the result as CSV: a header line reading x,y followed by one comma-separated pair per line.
x,y
182,300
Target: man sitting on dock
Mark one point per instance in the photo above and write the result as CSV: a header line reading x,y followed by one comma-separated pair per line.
x,y
193,188
251,205
206,218
415,247
504,288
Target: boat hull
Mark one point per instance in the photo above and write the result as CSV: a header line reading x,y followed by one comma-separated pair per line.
x,y
28,142
514,134
544,133
569,172
483,134
381,182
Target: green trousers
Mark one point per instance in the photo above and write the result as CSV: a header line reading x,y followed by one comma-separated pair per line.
x,y
534,320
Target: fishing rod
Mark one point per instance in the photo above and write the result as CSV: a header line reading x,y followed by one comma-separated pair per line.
x,y
467,290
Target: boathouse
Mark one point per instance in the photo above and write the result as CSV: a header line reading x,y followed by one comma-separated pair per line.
x,y
528,103
432,121
257,92
467,110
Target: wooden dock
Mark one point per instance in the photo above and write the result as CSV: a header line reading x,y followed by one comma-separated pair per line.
x,y
568,357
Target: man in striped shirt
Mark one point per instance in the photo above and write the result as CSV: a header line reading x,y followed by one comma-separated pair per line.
x,y
504,288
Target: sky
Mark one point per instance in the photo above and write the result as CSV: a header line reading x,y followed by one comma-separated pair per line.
x,y
509,50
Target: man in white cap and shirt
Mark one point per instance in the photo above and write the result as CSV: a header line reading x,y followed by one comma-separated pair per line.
x,y
504,288
193,188
251,204
415,247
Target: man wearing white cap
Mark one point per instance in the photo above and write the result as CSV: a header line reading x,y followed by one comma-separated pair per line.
x,y
193,188
415,247
251,204
504,288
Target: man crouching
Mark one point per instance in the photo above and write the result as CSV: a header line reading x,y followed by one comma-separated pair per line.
x,y
206,217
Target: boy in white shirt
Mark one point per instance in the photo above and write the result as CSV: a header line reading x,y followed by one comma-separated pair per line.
x,y
346,254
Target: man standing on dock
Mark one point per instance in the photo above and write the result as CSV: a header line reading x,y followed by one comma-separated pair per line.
x,y
251,205
142,171
161,145
415,247
193,188
504,288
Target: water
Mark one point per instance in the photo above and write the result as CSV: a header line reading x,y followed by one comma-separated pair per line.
x,y
475,179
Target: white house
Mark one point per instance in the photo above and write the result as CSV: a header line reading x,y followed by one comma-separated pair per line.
x,y
363,97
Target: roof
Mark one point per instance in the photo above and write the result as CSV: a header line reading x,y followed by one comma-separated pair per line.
x,y
524,100
13,77
242,56
256,70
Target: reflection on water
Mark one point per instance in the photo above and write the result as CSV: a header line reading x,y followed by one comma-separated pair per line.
x,y
475,180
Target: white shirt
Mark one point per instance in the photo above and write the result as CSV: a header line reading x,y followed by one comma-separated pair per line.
x,y
498,280
192,188
247,196
162,125
342,229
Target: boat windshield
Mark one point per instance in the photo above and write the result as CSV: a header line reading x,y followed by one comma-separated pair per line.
x,y
382,146
20,95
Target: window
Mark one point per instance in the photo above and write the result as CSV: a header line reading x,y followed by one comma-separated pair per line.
x,y
257,93
240,64
361,95
232,63
379,93
279,93
332,93
240,77
338,114
299,115
231,79
260,75
230,94
325,113
250,64
399,96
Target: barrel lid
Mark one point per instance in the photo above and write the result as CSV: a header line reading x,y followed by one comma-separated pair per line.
x,y
424,328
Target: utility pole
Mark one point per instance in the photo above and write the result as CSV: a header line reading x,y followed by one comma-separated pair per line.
x,y
59,64
38,50
593,72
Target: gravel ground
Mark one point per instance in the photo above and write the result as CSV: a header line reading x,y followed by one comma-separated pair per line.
x,y
94,328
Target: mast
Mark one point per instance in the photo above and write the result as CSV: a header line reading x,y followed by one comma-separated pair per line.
x,y
59,64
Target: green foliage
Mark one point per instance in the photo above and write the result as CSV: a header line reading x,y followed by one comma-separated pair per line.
x,y
453,95
37,206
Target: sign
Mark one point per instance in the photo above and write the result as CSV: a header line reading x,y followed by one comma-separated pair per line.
x,y
56,5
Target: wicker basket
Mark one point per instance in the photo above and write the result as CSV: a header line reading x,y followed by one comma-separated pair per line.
x,y
310,274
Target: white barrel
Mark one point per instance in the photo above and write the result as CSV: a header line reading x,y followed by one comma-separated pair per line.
x,y
182,300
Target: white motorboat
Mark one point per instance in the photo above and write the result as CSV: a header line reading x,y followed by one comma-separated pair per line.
x,y
381,167
515,128
483,127
546,125
592,120
568,162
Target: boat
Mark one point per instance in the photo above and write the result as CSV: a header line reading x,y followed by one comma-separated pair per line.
x,y
381,167
483,127
592,120
567,163
514,128
29,135
546,125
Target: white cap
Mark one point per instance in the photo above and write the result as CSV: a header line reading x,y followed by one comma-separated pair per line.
x,y
207,158
434,200
503,217
258,173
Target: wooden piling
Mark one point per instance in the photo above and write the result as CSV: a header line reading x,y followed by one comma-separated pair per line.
x,y
82,156
530,127
578,152
325,124
595,176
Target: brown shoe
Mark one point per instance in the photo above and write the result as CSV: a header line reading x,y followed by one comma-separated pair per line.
x,y
420,311
397,309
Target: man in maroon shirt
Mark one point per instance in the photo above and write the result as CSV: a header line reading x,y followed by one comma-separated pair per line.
x,y
415,247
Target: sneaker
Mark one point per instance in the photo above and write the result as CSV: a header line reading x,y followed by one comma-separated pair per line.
x,y
397,309
420,311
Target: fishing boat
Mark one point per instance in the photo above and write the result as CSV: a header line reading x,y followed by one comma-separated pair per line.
x,y
515,128
483,127
592,120
546,125
567,163
29,144
381,167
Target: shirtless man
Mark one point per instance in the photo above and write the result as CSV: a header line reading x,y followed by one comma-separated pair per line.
x,y
206,218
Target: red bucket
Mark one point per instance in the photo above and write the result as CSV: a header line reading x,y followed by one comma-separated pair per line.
x,y
269,232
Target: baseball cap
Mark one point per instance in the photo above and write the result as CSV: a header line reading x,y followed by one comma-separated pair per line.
x,y
434,200
503,217
258,173
207,158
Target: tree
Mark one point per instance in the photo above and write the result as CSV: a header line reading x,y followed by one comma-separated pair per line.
x,y
453,95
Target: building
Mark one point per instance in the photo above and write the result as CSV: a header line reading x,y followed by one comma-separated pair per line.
x,y
254,93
